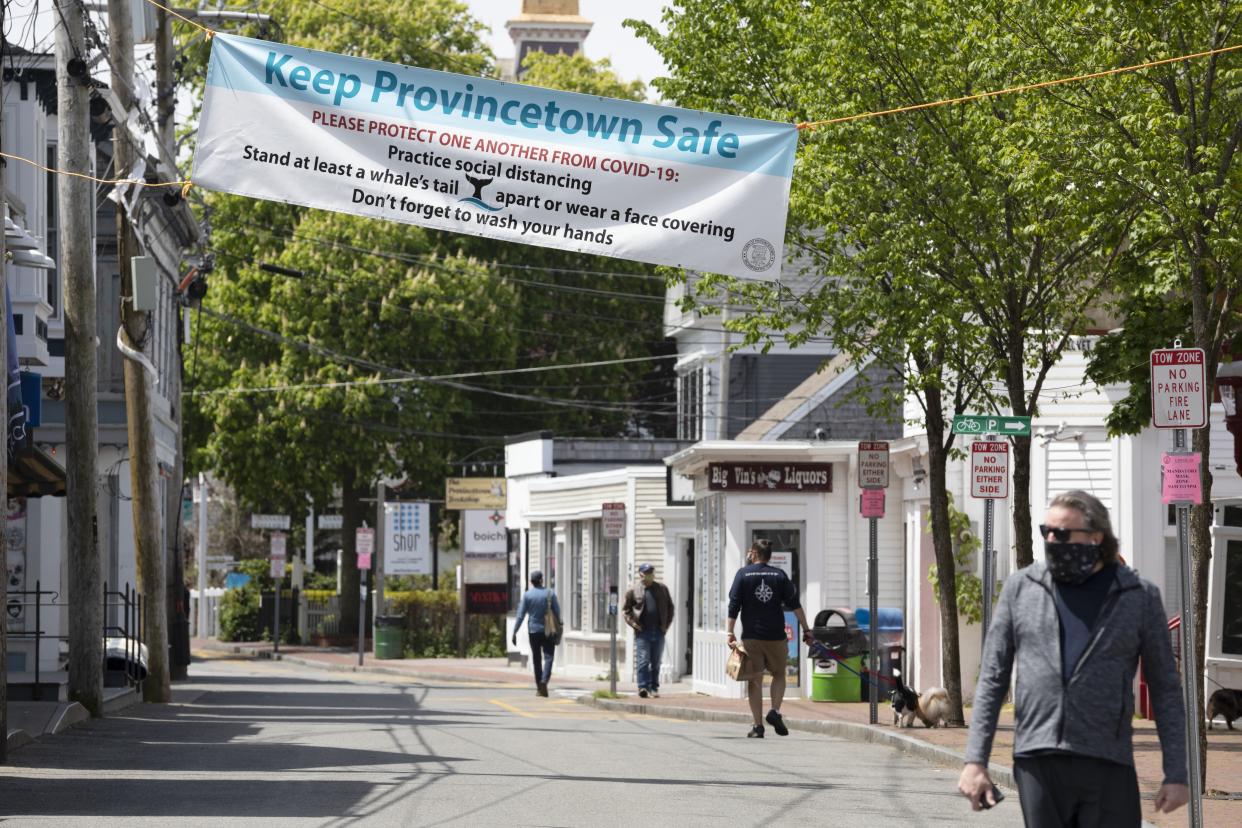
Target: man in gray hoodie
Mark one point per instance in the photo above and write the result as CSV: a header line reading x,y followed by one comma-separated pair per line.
x,y
1075,626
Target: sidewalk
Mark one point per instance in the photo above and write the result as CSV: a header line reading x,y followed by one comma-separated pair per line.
x,y
850,721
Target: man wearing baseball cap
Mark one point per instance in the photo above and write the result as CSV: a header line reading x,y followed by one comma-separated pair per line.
x,y
649,610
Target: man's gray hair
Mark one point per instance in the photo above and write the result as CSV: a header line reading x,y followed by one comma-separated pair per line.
x,y
1095,518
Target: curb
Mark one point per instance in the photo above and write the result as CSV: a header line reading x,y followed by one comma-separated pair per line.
x,y
122,702
933,754
17,739
66,717
386,671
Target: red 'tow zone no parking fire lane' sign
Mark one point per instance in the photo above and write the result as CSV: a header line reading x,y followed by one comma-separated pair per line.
x,y
989,470
1178,388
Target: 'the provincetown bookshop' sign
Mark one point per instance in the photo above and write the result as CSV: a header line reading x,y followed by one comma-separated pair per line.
x,y
770,477
520,163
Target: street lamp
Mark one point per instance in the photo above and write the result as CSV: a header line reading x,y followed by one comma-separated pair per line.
x,y
1229,384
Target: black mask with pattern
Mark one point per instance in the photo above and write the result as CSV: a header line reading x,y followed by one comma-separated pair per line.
x,y
1071,563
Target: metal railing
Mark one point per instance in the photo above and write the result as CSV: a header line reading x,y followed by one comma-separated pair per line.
x,y
130,627
323,617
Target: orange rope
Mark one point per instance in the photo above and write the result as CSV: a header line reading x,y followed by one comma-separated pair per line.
x,y
184,185
1025,88
210,33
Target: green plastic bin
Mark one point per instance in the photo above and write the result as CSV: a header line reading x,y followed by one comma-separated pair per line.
x,y
831,681
389,636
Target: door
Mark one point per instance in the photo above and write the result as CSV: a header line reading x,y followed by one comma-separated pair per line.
x,y
786,539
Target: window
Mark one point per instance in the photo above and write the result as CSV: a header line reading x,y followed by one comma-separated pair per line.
x,y
573,577
1231,620
605,573
690,404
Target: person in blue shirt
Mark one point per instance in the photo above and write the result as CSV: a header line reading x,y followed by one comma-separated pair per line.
x,y
762,593
542,642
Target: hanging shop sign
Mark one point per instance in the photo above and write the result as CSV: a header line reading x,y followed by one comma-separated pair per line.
x,y
770,477
472,155
407,538
474,493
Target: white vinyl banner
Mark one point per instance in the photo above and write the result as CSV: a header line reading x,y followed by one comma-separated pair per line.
x,y
471,155
407,539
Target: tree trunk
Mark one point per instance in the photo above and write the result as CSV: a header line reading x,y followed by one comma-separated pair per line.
x,y
75,199
1022,502
351,519
1200,564
946,567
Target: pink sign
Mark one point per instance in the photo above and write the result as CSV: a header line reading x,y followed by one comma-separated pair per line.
x,y
1179,479
873,503
364,560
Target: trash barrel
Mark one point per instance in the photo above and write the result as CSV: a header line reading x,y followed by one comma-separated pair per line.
x,y
833,680
389,636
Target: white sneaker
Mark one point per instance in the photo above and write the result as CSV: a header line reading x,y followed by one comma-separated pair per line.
x,y
655,694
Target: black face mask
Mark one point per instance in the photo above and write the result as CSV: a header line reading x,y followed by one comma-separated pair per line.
x,y
1071,563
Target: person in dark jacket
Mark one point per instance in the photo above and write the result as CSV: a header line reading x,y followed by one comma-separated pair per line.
x,y
648,609
761,593
1075,626
542,645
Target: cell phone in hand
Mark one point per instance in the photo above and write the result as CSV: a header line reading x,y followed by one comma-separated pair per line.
x,y
997,797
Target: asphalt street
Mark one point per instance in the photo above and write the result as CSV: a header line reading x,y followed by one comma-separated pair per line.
x,y
251,742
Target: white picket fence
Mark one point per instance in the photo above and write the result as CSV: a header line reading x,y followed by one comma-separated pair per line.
x,y
212,630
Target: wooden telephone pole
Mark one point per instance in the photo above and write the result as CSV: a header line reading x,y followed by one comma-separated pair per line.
x,y
4,449
75,200
135,331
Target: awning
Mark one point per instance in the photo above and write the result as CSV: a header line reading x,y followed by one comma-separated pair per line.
x,y
35,473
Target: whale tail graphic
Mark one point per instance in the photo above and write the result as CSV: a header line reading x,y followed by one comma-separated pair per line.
x,y
479,184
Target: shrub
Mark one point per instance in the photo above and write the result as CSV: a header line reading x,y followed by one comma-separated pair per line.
x,y
239,614
431,626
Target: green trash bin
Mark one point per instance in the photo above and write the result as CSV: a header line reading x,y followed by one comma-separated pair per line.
x,y
389,636
831,681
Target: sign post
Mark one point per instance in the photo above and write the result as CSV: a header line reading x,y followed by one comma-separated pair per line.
x,y
613,525
612,622
364,540
989,480
1179,401
278,574
873,480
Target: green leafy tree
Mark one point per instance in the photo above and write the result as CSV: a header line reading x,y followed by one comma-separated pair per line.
x,y
956,251
1168,137
321,340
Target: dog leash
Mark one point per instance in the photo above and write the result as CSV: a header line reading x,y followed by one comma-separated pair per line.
x,y
825,650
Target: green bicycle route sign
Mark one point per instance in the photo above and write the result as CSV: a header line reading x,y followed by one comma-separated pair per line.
x,y
989,424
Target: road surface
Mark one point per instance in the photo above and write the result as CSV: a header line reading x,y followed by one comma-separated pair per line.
x,y
246,742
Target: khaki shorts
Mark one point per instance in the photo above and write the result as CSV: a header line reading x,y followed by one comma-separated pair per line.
x,y
771,656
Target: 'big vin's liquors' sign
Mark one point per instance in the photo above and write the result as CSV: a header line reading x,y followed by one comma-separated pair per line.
x,y
770,477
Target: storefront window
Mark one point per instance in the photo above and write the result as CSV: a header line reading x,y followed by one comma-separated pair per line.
x,y
605,573
573,578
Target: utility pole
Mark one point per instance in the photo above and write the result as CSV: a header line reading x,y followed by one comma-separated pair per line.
x,y
201,623
4,449
165,121
135,331
75,201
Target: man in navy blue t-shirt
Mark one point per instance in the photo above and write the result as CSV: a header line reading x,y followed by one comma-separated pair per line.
x,y
762,593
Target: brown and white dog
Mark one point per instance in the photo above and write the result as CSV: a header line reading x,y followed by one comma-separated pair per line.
x,y
929,707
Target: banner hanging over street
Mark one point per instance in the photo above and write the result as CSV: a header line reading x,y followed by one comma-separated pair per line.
x,y
520,163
